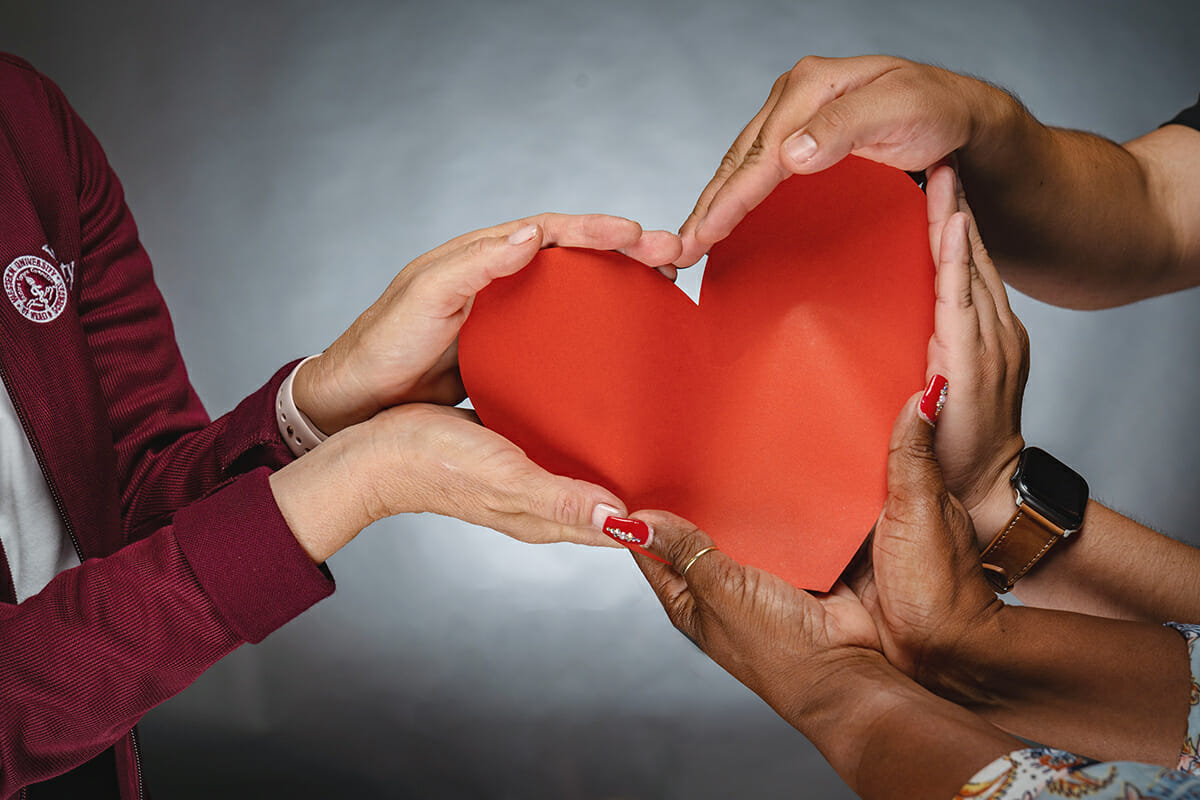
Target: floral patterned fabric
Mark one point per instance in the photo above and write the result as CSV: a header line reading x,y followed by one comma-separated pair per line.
x,y
1042,773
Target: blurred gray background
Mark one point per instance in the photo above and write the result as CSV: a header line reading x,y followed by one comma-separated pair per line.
x,y
284,160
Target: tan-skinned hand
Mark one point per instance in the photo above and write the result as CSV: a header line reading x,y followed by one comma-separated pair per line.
x,y
886,109
420,457
982,349
403,349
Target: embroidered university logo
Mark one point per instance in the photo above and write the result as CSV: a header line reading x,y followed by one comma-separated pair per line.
x,y
38,288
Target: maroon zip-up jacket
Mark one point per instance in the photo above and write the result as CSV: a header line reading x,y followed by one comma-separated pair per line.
x,y
185,553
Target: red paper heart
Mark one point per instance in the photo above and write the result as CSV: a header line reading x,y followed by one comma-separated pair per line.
x,y
763,414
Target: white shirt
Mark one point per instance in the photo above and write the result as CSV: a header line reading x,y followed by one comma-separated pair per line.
x,y
34,536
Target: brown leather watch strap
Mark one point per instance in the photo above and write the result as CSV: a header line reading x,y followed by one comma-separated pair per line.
x,y
1027,537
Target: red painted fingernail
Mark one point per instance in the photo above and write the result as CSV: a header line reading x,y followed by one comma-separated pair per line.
x,y
628,531
633,533
933,399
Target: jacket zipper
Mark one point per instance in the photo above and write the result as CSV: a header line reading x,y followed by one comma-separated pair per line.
x,y
62,513
137,762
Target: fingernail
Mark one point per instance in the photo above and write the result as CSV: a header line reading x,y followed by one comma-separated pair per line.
x,y
933,399
601,512
628,531
522,235
799,147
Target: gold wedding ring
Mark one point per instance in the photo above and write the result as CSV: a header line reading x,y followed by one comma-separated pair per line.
x,y
694,559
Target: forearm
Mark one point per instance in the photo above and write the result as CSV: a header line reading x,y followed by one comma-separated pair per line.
x,y
1111,567
1069,217
1107,689
1114,567
888,737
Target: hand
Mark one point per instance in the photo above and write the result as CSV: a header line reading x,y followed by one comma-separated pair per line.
x,y
924,586
886,109
778,640
981,347
403,348
816,661
416,458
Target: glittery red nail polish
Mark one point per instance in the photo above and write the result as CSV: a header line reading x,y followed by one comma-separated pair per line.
x,y
627,531
633,533
933,399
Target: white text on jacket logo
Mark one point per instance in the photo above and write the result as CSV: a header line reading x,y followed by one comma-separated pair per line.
x,y
36,287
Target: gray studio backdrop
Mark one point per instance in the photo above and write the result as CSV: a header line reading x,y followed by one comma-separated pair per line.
x,y
284,160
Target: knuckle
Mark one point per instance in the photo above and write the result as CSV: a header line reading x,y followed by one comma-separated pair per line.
x,y
729,162
832,116
1022,336
807,66
755,151
566,506
679,610
912,505
542,219
914,454
476,249
685,543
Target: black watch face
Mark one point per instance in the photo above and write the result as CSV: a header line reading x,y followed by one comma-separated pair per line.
x,y
1056,491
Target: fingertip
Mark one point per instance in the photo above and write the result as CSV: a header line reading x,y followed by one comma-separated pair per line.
x,y
666,246
798,151
954,242
813,154
602,511
673,538
655,248
933,399
691,252
525,234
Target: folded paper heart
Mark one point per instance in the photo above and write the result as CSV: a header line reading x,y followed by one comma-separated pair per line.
x,y
763,413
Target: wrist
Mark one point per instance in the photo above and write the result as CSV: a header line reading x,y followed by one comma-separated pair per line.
x,y
888,737
817,704
318,394
997,122
320,498
958,667
993,510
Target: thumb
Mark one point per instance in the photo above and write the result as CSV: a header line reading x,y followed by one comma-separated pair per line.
x,y
913,472
862,121
566,503
451,281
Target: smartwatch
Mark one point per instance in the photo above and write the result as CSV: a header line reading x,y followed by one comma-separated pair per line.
x,y
1051,499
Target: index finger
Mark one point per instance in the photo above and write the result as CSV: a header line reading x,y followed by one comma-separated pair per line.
x,y
692,249
680,542
594,231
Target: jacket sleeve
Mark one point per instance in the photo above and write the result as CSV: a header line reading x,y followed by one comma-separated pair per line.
x,y
168,452
107,641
